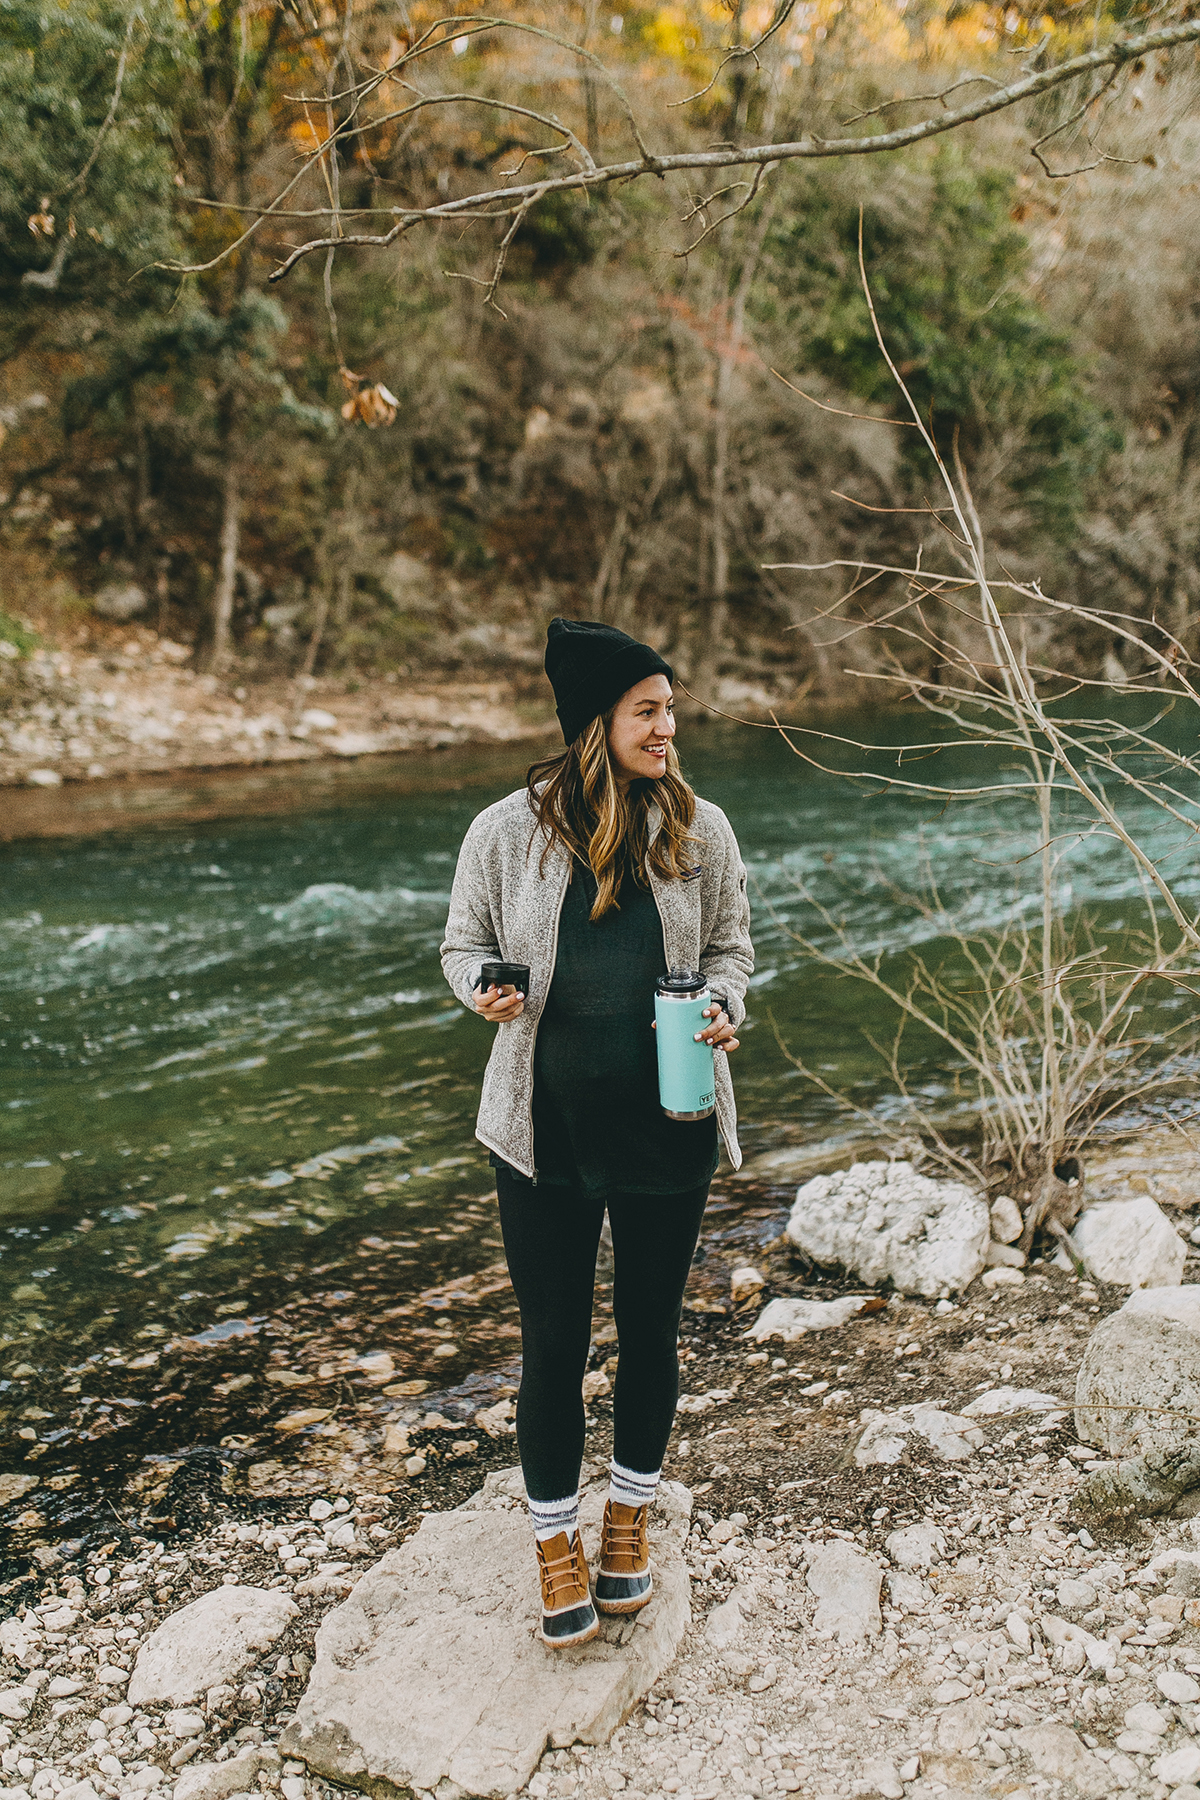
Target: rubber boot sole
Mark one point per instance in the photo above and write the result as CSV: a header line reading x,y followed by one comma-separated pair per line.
x,y
569,1643
619,1607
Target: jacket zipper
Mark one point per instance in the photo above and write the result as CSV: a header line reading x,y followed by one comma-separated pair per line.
x,y
533,1045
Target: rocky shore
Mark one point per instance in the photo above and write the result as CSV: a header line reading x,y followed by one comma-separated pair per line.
x,y
125,702
932,1649
881,1573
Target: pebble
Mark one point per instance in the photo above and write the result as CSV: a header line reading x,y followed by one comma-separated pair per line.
x,y
916,1547
1177,1687
182,1722
1075,1596
1145,1717
1179,1766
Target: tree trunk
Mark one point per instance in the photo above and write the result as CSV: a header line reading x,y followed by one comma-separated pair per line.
x,y
587,75
718,606
317,633
217,649
716,621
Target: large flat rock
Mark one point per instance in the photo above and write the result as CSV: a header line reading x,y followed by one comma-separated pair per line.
x,y
431,1670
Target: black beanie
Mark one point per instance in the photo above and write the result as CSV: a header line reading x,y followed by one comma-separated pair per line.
x,y
590,666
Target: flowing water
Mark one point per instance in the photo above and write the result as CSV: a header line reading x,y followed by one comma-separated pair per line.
x,y
237,1099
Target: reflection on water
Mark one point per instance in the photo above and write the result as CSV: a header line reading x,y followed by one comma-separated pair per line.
x,y
237,1166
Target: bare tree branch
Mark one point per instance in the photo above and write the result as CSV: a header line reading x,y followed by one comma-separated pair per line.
x,y
873,112
1073,118
510,200
739,51
759,176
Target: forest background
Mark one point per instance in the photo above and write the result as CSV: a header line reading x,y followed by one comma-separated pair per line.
x,y
376,466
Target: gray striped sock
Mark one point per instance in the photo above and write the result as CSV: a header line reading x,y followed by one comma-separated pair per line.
x,y
627,1488
552,1516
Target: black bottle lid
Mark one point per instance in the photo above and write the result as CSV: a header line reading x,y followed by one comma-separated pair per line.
x,y
681,982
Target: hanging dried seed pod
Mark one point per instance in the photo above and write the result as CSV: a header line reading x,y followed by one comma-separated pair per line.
x,y
372,403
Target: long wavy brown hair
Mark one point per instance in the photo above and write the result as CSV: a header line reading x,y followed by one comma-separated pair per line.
x,y
580,805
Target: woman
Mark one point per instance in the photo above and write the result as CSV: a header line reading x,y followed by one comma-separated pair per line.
x,y
604,871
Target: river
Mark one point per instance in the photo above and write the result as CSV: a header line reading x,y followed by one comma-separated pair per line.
x,y
238,1099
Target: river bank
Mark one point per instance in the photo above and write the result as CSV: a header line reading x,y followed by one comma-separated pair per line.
x,y
124,702
957,1688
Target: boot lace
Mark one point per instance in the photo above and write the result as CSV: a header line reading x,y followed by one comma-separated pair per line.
x,y
561,1576
622,1539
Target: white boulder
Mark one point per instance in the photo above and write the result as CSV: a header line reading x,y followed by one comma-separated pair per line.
x,y
17,1638
1075,1596
884,1222
1130,1243
1143,1362
183,1722
886,1437
431,1672
1152,1719
207,1643
791,1319
962,1726
1002,1275
847,1585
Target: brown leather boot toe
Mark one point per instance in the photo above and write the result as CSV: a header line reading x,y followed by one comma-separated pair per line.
x,y
568,1616
624,1583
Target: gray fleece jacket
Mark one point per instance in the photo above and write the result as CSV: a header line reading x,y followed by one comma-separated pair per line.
x,y
502,906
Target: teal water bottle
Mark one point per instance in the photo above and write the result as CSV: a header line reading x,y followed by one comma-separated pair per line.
x,y
686,1083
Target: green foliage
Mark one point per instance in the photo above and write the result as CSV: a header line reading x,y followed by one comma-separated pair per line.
x,y
58,72
185,348
947,269
13,633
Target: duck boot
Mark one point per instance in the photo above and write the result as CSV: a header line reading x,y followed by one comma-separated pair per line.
x,y
624,1583
568,1616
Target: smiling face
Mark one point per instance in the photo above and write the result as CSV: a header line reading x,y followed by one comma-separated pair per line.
x,y
643,723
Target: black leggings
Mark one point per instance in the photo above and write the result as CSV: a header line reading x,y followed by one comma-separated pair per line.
x,y
551,1235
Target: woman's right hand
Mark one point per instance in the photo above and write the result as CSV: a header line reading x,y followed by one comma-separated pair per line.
x,y
500,1005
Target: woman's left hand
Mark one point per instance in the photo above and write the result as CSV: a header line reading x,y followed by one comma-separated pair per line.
x,y
719,1033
